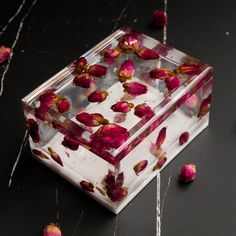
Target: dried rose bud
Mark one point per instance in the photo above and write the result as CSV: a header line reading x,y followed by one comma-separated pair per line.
x,y
55,156
70,142
161,137
129,43
162,160
126,71
188,69
143,111
81,64
48,98
91,120
52,230
156,151
140,166
111,52
63,105
83,80
135,88
183,138
172,83
188,173
146,54
117,194
39,153
5,53
98,96
159,18
97,70
33,130
204,107
160,73
88,186
122,106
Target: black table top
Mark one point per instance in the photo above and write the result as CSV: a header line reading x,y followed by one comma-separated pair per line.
x,y
49,37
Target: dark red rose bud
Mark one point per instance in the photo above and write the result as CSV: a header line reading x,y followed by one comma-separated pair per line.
x,y
140,166
160,73
129,43
173,83
39,153
97,70
83,80
183,138
126,71
63,105
48,98
146,54
33,130
81,64
111,52
85,185
98,96
161,137
188,173
188,69
159,18
135,88
70,143
91,120
204,107
143,111
122,106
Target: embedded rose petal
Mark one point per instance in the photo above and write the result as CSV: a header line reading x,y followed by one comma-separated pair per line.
x,y
129,43
160,163
98,96
188,69
135,88
143,111
40,154
172,83
122,106
91,120
160,73
204,107
41,112
126,71
70,143
81,64
161,137
109,179
97,70
155,150
63,105
159,18
183,138
88,186
5,53
146,54
83,80
117,194
188,173
55,156
140,166
111,52
33,130
52,230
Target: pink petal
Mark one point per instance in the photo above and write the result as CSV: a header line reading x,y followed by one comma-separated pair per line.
x,y
160,163
126,71
63,105
98,96
129,43
52,230
91,120
188,173
39,153
156,151
147,54
135,88
55,156
140,166
70,142
143,111
159,18
88,186
33,129
112,52
161,137
188,69
172,83
122,106
161,73
183,138
97,70
83,80
81,64
5,53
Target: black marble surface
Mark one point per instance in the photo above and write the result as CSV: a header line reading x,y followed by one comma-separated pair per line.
x,y
49,37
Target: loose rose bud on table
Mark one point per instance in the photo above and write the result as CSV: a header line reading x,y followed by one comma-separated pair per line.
x,y
5,53
188,173
52,230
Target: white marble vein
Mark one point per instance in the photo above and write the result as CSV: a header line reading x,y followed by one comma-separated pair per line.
x,y
158,223
57,205
77,223
116,224
23,142
165,27
14,44
12,17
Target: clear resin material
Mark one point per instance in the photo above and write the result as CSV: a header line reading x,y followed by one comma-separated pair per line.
x,y
118,114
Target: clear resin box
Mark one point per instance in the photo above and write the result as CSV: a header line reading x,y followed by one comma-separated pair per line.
x,y
117,115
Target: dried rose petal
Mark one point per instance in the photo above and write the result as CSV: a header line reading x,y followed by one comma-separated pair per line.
x,y
5,53
126,71
188,69
52,230
97,70
33,130
204,107
161,137
55,156
155,150
172,83
183,138
39,154
160,73
81,64
111,52
98,96
146,54
143,111
135,88
83,80
70,143
188,173
91,120
63,105
159,18
88,186
160,163
129,43
140,166
122,106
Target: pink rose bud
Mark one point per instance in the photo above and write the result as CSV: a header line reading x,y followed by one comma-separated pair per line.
x,y
140,166
63,105
98,96
55,156
33,129
111,52
81,64
161,137
146,54
83,80
135,88
188,173
172,83
205,106
188,69
52,230
97,70
48,98
87,186
159,19
126,71
70,143
39,153
91,120
5,53
162,160
129,43
160,73
183,138
143,111
122,106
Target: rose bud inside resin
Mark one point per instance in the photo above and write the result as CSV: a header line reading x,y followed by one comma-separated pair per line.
x,y
33,130
188,69
146,54
161,137
5,53
83,80
39,154
98,96
204,107
159,19
122,106
63,105
172,83
126,71
88,186
55,156
188,173
183,138
160,73
81,64
97,70
91,120
143,111
70,143
111,52
129,43
135,88
140,166
52,230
